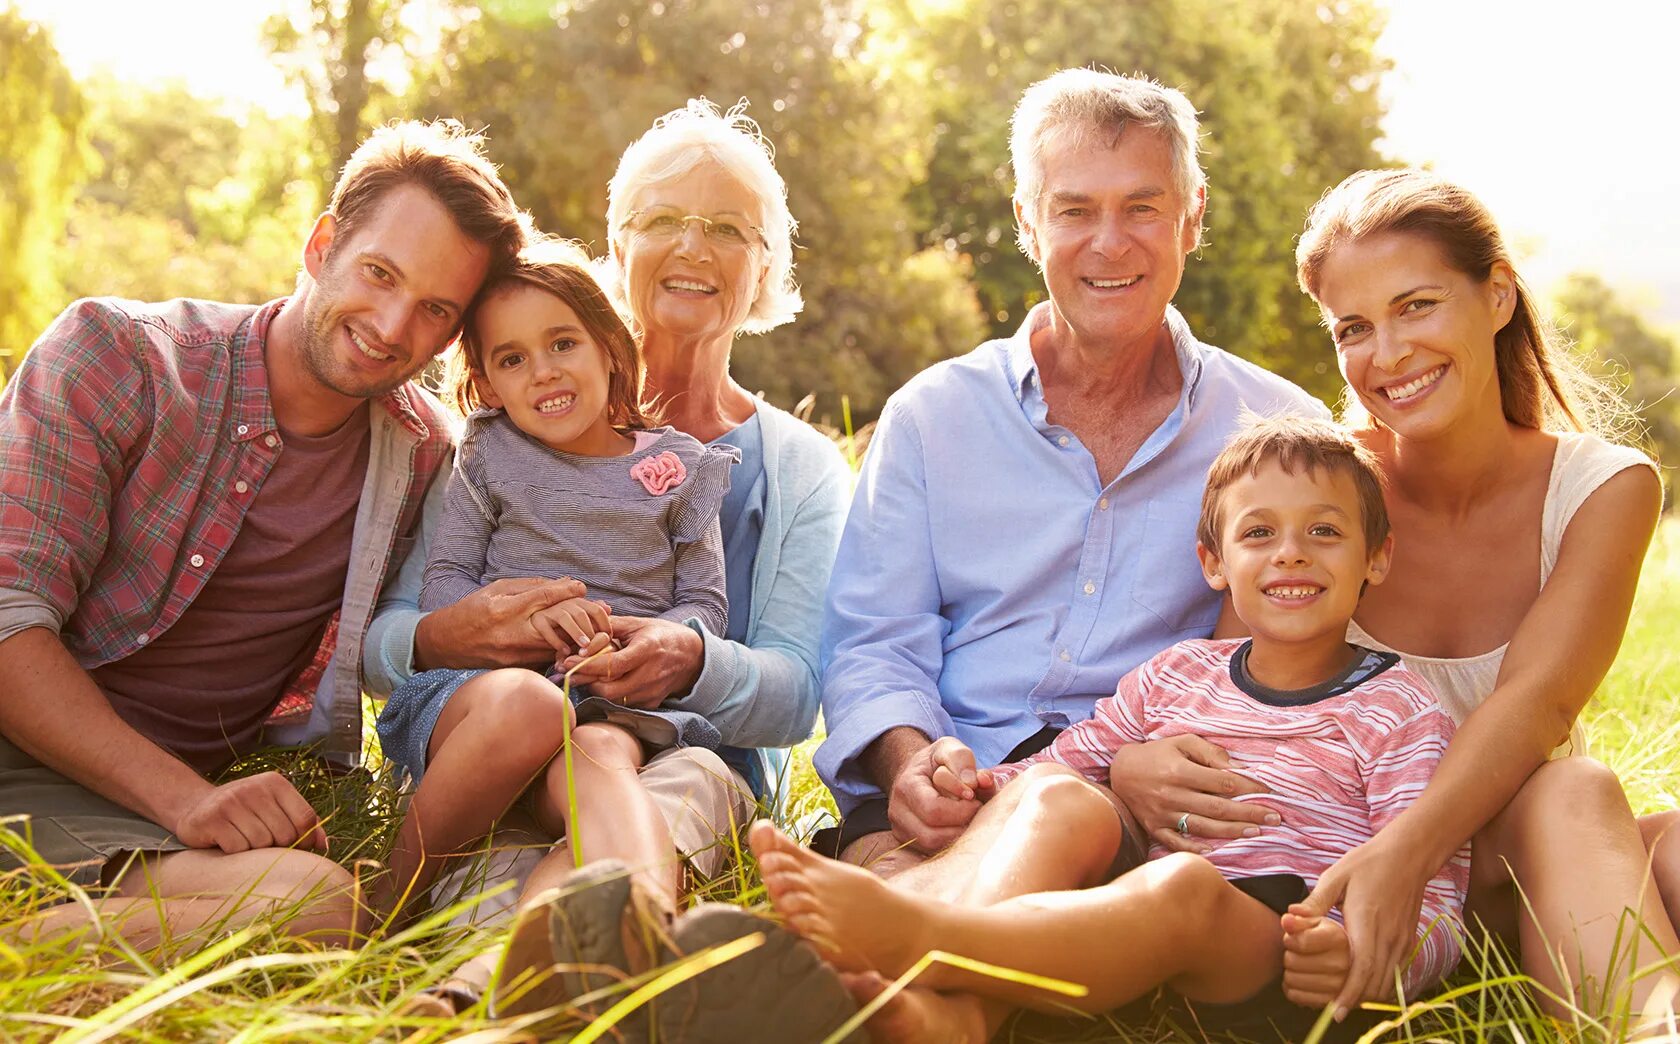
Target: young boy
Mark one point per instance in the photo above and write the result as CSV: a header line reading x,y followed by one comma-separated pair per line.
x,y
1343,738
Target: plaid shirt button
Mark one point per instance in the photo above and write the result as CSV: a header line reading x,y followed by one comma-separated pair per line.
x,y
196,560
243,429
142,638
272,440
242,486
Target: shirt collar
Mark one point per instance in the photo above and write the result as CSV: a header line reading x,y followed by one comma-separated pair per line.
x,y
254,408
1023,368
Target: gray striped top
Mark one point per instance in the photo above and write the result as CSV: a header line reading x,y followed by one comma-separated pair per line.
x,y
516,508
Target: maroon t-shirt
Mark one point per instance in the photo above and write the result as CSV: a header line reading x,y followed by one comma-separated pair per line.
x,y
203,687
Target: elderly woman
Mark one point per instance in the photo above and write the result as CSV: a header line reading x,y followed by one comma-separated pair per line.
x,y
701,251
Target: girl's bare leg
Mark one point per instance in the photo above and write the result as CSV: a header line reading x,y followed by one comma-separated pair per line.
x,y
1661,833
1570,841
1174,921
616,817
492,739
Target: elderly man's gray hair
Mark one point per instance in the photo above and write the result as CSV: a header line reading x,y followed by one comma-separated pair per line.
x,y
683,139
1091,105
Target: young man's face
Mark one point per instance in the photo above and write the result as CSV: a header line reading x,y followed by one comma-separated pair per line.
x,y
1292,553
387,297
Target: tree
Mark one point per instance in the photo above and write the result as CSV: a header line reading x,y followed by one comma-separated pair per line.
x,y
328,47
562,95
1288,95
1621,348
42,158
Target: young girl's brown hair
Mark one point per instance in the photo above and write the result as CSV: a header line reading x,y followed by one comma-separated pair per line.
x,y
562,269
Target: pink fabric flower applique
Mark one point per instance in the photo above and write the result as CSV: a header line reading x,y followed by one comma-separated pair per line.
x,y
660,473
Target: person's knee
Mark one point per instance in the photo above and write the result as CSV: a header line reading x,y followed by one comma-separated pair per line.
x,y
1565,803
604,746
1064,805
309,894
1188,886
530,711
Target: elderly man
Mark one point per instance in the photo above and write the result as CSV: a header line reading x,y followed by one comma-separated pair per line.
x,y
1023,531
198,505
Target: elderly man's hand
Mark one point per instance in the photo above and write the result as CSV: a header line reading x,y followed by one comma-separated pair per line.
x,y
921,814
492,626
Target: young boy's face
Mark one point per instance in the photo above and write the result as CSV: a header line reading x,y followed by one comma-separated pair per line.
x,y
1292,553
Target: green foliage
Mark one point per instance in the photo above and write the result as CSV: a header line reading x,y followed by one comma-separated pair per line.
x,y
187,201
42,159
1288,95
563,95
1624,349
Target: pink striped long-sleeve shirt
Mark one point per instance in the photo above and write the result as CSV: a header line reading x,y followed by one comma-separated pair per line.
x,y
1338,769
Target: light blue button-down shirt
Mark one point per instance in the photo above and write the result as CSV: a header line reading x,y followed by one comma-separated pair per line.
x,y
988,583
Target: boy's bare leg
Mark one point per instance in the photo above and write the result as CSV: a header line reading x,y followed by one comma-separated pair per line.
x,y
491,740
170,897
1047,830
1174,921
1577,853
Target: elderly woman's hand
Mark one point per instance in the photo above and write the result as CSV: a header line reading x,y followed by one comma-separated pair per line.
x,y
658,659
492,626
1186,779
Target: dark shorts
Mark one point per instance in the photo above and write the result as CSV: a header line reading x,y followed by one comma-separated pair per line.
x,y
71,828
871,816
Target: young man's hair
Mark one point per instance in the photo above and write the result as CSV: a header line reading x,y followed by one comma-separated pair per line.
x,y
448,162
1295,444
561,268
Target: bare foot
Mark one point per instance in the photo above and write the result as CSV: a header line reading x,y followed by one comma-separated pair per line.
x,y
919,1016
856,920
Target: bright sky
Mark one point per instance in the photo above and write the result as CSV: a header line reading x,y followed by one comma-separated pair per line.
x,y
1559,114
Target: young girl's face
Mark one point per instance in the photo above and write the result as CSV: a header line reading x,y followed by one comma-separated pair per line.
x,y
542,366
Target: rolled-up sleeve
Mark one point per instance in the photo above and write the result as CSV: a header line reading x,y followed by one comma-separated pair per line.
x,y
883,634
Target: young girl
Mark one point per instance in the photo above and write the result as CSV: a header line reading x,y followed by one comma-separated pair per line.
x,y
559,473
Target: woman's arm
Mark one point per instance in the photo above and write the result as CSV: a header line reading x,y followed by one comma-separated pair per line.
x,y
1559,654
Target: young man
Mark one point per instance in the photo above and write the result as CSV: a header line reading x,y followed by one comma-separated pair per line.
x,y
198,505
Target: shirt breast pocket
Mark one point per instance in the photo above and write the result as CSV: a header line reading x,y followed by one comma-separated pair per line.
x,y
1168,583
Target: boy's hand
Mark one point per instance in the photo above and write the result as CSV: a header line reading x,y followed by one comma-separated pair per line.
x,y
954,774
572,625
1316,957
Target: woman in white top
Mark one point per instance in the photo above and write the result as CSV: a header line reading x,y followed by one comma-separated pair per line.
x,y
1519,535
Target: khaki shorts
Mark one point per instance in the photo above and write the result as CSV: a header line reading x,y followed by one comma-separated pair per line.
x,y
72,829
704,802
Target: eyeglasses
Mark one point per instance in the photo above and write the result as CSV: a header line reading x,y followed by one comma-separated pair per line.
x,y
657,223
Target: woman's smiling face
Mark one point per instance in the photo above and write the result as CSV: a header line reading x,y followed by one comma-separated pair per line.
x,y
1414,336
691,284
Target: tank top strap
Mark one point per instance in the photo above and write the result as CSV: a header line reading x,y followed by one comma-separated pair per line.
x,y
1581,464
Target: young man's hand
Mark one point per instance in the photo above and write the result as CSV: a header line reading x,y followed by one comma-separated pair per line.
x,y
261,811
1316,957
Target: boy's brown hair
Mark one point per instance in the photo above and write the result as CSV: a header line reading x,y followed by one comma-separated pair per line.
x,y
561,268
448,162
1296,444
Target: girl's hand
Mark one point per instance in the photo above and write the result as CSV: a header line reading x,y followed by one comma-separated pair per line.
x,y
1379,887
572,626
658,659
1161,780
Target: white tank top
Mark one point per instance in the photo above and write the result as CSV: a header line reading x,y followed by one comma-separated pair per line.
x,y
1581,464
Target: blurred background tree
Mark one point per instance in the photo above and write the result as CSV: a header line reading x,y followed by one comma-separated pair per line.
x,y
42,160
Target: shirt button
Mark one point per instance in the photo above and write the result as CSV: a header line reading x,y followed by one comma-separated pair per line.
x,y
243,429
1102,505
1065,656
272,440
198,560
1090,588
142,638
1061,440
242,486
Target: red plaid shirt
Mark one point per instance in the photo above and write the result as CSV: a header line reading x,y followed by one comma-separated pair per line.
x,y
132,440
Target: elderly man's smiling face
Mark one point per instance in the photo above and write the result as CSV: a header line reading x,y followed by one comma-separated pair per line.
x,y
1111,230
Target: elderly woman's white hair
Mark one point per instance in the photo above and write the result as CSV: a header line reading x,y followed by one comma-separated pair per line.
x,y
1090,103
678,142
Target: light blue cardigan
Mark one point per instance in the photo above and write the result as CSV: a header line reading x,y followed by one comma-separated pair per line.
x,y
761,694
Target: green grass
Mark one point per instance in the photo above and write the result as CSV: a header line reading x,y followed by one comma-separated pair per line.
x,y
258,986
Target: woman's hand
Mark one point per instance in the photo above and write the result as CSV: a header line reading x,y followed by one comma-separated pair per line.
x,y
1161,780
1379,886
658,659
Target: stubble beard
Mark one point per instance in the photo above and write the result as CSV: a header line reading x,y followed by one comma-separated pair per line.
x,y
316,348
